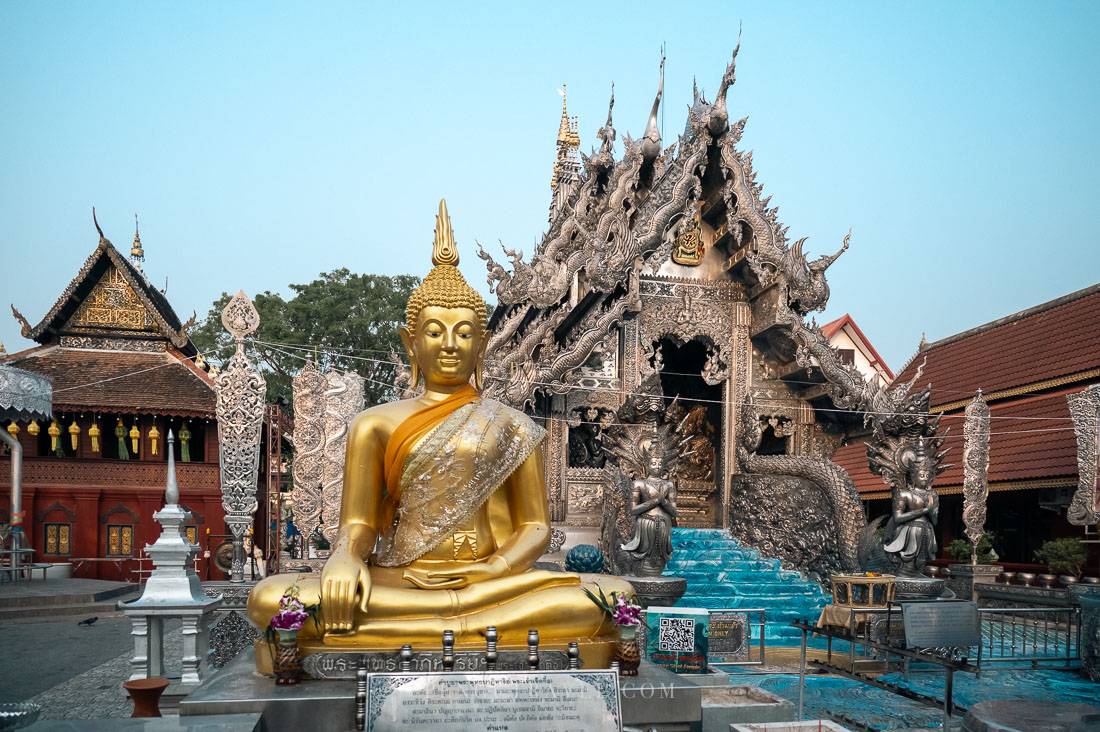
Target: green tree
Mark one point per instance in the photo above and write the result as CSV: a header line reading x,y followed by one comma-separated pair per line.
x,y
341,320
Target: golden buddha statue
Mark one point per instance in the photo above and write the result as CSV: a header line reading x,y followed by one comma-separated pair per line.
x,y
444,509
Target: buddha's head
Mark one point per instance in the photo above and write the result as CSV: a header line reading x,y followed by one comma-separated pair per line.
x,y
444,331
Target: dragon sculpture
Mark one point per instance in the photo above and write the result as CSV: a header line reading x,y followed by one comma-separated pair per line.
x,y
807,289
833,481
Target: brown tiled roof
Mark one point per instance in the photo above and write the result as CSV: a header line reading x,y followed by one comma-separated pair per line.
x,y
1020,446
164,382
1055,339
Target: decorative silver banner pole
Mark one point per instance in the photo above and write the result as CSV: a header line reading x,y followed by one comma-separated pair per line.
x,y
1084,408
975,470
241,392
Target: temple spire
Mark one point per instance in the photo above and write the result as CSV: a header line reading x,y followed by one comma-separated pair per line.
x,y
567,166
137,252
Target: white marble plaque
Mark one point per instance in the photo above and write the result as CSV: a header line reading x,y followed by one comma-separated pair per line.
x,y
538,701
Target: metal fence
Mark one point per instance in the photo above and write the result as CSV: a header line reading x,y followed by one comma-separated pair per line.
x,y
1025,637
1010,638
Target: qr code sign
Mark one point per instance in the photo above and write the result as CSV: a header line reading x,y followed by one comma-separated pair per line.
x,y
677,634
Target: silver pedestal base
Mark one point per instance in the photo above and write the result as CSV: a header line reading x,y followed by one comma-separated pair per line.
x,y
658,591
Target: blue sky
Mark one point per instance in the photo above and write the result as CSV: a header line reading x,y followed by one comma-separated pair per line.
x,y
262,143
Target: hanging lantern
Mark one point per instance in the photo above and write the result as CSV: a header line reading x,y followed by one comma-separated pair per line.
x,y
93,433
120,433
154,435
33,429
74,434
55,435
185,443
135,435
13,429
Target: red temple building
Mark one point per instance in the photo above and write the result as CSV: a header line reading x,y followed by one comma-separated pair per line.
x,y
1025,364
124,373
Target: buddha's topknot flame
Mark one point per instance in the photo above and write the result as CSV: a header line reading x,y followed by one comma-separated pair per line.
x,y
444,286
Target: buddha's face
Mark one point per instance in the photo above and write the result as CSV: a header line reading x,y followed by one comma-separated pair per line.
x,y
447,345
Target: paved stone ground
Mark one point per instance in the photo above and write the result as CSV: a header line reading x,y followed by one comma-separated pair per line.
x,y
73,671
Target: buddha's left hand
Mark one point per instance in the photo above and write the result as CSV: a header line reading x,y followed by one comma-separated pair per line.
x,y
458,575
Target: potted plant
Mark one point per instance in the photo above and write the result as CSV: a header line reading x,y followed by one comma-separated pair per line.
x,y
627,615
282,635
1065,557
959,550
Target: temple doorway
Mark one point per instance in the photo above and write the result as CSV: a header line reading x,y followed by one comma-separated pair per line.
x,y
697,407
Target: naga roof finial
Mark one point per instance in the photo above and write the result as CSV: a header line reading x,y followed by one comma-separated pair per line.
x,y
719,117
102,239
651,141
607,132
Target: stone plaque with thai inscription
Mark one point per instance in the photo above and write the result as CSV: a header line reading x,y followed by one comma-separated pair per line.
x,y
343,665
941,624
553,701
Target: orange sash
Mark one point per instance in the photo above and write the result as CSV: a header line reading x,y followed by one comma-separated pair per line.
x,y
407,434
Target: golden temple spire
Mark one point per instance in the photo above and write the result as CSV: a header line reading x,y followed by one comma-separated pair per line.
x,y
567,129
566,167
137,252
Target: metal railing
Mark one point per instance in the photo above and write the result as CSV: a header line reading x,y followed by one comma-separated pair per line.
x,y
1029,636
1011,638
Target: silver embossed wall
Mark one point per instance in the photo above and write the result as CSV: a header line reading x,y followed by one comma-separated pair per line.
x,y
324,405
241,391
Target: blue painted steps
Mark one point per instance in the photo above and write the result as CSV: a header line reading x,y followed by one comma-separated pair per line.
x,y
721,573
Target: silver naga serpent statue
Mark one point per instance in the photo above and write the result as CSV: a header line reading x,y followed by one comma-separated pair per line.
x,y
832,479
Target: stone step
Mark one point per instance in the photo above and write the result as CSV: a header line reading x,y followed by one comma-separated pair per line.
x,y
77,611
721,573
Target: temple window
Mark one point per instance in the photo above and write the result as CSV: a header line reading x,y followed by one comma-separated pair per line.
x,y
192,534
120,539
57,541
847,356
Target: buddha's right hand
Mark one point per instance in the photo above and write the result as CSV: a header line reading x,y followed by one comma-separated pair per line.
x,y
345,587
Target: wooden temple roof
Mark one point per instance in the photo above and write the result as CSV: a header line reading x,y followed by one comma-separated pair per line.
x,y
162,382
1025,365
105,260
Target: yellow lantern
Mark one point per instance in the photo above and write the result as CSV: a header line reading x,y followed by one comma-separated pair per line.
x,y
154,435
93,433
74,433
13,429
33,429
135,435
55,433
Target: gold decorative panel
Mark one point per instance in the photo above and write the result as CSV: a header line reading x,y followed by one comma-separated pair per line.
x,y
120,540
112,303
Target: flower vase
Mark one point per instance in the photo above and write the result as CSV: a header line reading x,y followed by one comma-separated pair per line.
x,y
287,662
627,652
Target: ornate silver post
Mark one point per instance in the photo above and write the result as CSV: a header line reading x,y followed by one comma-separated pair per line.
x,y
324,405
406,658
240,393
491,648
532,650
1084,408
975,469
361,699
448,650
574,653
